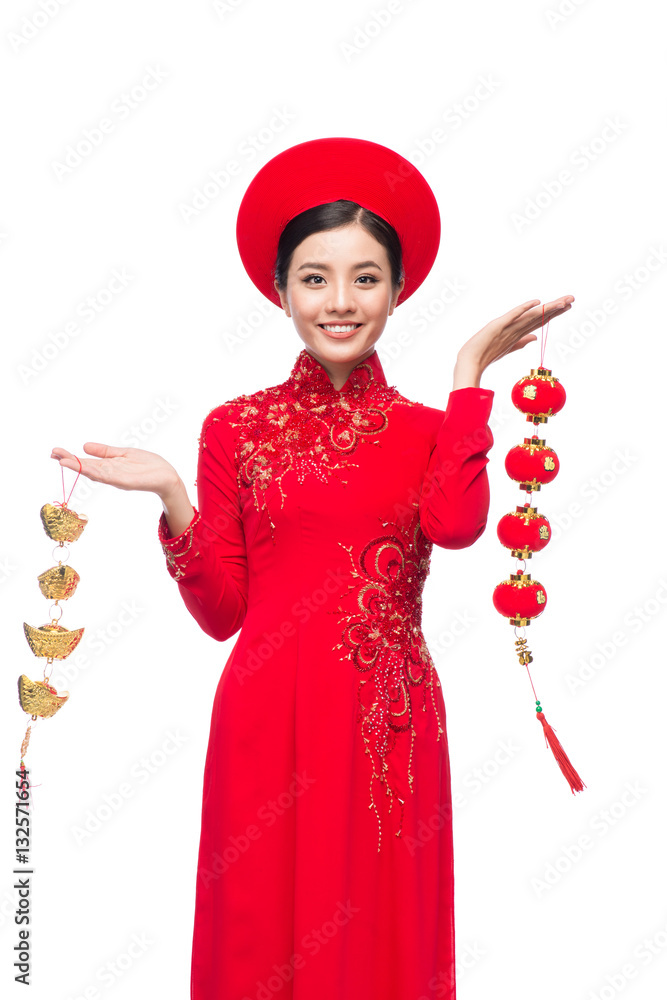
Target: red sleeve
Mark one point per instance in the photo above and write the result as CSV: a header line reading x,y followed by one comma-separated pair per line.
x,y
454,501
208,560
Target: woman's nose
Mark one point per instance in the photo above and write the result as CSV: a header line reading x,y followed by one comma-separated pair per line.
x,y
341,297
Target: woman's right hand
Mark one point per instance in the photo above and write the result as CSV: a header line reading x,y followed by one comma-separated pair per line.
x,y
124,468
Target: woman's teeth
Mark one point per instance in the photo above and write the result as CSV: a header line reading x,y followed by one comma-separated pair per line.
x,y
340,329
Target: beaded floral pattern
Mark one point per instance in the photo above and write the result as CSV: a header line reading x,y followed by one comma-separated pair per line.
x,y
308,426
382,637
178,550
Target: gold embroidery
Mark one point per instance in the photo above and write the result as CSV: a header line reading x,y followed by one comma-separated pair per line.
x,y
183,544
384,641
308,426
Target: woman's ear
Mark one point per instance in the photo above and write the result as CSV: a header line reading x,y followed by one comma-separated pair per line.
x,y
397,291
283,299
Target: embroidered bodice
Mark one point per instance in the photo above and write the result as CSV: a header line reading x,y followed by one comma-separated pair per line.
x,y
307,425
317,513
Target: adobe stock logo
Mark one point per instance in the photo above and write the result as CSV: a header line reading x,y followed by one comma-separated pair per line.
x,y
634,621
32,24
580,159
239,844
599,825
366,33
643,954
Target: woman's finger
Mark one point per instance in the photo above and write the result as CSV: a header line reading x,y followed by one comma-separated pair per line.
x,y
527,323
551,309
549,314
92,447
558,305
64,456
519,310
90,468
87,468
103,450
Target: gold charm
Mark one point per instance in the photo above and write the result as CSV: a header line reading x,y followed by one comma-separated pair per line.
x,y
52,640
522,651
39,698
59,582
61,523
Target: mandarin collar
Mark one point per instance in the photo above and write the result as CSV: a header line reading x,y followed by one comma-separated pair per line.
x,y
308,375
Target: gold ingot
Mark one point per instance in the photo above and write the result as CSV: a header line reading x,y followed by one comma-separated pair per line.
x,y
59,582
52,640
61,523
39,698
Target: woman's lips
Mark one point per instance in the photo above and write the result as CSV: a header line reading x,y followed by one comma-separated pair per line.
x,y
340,331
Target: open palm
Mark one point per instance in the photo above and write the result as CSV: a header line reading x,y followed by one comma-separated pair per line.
x,y
512,331
124,468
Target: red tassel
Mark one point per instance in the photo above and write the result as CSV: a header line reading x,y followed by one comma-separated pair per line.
x,y
574,781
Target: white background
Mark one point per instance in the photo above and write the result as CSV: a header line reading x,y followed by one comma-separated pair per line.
x,y
519,93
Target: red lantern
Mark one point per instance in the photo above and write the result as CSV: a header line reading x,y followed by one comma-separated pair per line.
x,y
524,531
520,598
539,395
532,463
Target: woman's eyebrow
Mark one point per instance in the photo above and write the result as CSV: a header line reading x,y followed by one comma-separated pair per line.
x,y
325,267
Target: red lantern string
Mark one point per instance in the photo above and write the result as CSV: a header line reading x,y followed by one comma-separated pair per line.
x,y
507,595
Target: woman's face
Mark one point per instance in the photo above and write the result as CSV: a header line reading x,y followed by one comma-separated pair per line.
x,y
339,293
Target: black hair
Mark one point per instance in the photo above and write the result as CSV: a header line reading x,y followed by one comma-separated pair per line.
x,y
335,215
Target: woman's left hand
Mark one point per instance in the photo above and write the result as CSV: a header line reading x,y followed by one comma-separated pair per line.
x,y
502,336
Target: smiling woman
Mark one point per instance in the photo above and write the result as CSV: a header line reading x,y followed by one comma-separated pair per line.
x,y
320,500
327,493
339,287
326,863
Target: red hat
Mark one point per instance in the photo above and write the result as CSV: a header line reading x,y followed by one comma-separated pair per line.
x,y
323,170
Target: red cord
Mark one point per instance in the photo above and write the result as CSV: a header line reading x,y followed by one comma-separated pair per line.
x,y
545,333
63,503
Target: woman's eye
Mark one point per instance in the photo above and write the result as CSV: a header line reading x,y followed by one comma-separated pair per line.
x,y
318,279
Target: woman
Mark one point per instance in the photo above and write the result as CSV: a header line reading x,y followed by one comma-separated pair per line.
x,y
325,865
